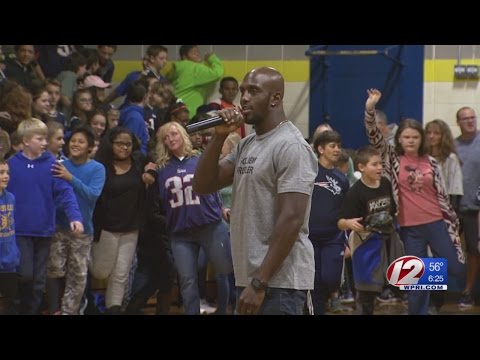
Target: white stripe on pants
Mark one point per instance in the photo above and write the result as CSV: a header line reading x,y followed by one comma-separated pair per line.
x,y
112,258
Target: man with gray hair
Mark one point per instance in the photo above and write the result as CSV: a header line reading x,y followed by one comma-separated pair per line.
x,y
388,130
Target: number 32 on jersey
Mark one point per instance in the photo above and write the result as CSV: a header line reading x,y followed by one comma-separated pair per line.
x,y
181,191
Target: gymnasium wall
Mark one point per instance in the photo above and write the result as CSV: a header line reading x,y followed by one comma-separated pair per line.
x,y
290,60
442,95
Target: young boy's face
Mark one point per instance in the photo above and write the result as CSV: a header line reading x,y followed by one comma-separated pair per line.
x,y
372,171
78,146
36,145
159,61
4,176
229,91
197,140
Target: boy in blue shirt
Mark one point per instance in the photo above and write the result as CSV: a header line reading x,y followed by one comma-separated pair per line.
x,y
37,192
9,254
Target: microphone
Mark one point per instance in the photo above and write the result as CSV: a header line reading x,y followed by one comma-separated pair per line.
x,y
207,123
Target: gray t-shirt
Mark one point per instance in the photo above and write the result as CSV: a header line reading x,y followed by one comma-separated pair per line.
x,y
279,161
452,177
468,152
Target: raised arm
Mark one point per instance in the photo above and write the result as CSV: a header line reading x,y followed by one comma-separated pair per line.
x,y
375,136
212,175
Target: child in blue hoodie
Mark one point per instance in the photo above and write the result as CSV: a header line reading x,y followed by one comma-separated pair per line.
x,y
132,116
9,254
37,192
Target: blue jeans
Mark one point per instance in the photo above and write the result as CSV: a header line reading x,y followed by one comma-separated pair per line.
x,y
214,240
222,282
280,301
328,269
34,253
416,239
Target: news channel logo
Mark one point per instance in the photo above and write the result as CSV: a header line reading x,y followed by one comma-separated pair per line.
x,y
414,273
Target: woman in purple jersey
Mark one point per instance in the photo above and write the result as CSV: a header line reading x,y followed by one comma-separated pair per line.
x,y
193,220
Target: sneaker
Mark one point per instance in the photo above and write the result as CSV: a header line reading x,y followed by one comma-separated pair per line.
x,y
432,310
347,298
466,301
205,308
335,306
387,297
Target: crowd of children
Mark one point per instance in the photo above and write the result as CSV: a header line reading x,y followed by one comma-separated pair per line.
x,y
89,190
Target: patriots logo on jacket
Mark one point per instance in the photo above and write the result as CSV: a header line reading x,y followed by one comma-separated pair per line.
x,y
331,185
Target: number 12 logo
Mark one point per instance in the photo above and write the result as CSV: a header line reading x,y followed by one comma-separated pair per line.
x,y
406,270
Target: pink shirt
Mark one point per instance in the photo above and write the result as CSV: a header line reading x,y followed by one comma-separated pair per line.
x,y
418,203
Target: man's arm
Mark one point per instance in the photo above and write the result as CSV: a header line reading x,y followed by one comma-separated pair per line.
x,y
212,175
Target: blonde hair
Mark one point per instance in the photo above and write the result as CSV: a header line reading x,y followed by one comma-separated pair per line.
x,y
162,152
31,127
113,111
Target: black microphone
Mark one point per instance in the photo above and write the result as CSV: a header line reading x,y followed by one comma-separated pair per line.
x,y
205,124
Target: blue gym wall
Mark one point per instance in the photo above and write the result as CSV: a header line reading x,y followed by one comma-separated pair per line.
x,y
339,83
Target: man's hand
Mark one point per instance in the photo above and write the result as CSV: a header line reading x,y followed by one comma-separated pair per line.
x,y
226,214
374,96
233,120
250,301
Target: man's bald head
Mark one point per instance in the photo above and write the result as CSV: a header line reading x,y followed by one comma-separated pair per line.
x,y
270,79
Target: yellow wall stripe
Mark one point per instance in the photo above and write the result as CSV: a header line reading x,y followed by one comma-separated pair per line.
x,y
299,70
442,70
293,71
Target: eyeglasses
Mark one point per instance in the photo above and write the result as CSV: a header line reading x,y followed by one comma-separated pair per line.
x,y
123,144
468,118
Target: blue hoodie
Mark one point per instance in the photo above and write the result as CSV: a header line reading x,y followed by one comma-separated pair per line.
x,y
87,182
36,192
9,253
132,117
